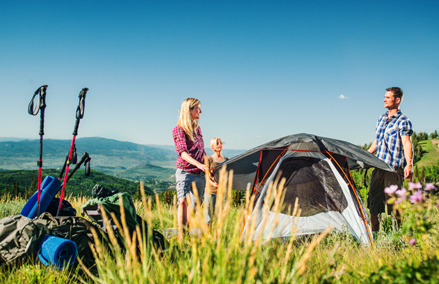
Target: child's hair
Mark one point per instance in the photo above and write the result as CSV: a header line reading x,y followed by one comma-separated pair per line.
x,y
215,141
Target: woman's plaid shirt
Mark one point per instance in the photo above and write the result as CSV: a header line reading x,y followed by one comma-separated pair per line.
x,y
195,149
388,136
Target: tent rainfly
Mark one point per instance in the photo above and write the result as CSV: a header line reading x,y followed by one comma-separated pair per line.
x,y
317,172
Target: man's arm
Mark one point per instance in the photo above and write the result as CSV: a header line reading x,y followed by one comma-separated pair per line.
x,y
408,154
373,147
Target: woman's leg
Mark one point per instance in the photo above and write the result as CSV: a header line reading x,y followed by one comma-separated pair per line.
x,y
182,217
183,188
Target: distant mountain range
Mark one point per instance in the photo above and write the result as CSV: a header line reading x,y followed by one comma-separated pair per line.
x,y
14,139
121,159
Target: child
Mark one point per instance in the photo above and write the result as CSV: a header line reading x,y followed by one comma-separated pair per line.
x,y
211,185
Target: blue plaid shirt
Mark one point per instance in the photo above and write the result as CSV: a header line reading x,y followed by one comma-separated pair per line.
x,y
388,137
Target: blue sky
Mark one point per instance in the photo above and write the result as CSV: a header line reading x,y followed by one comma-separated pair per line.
x,y
262,69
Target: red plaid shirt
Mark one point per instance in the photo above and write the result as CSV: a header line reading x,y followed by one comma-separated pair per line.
x,y
195,149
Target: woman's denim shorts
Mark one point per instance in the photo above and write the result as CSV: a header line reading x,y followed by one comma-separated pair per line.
x,y
184,182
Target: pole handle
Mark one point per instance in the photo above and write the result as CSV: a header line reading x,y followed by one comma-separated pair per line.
x,y
80,109
85,159
41,102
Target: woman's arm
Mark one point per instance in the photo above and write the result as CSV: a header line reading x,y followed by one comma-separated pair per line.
x,y
185,156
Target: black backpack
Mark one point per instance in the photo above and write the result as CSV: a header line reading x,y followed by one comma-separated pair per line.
x,y
66,208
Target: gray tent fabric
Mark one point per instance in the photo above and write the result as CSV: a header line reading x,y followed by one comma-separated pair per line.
x,y
244,166
317,172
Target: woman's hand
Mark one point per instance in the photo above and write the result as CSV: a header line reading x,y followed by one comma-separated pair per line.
x,y
202,167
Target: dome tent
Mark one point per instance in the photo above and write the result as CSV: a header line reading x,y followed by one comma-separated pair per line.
x,y
317,172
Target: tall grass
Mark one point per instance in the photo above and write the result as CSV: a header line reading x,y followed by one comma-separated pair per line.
x,y
223,255
10,206
218,255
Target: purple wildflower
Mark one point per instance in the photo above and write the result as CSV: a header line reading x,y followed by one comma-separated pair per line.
x,y
402,192
391,189
412,241
413,185
429,186
417,196
437,205
401,199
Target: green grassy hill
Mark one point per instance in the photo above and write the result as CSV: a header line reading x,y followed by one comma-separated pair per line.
x,y
430,156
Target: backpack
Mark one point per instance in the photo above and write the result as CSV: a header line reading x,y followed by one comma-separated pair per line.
x,y
80,231
20,237
66,208
108,200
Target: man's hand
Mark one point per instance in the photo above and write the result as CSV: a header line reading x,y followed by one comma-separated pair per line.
x,y
408,173
408,154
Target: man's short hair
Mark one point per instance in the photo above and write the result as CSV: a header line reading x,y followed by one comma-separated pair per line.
x,y
397,92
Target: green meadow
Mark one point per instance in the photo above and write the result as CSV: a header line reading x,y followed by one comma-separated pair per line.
x,y
222,255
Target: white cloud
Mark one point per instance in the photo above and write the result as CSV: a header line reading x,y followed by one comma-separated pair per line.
x,y
259,136
343,97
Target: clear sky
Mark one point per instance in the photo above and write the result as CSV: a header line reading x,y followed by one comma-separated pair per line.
x,y
262,69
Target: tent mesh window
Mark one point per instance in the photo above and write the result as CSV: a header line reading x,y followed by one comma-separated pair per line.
x,y
312,181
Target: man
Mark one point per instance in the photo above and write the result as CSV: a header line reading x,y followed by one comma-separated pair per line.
x,y
393,146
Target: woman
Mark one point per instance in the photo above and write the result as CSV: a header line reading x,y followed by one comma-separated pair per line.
x,y
211,185
189,145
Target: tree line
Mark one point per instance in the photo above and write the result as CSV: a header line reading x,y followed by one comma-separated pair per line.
x,y
14,190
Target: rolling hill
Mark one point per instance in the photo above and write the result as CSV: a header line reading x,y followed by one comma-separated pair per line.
x,y
108,156
118,158
430,156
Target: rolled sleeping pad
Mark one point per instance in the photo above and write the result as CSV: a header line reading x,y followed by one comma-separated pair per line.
x,y
56,251
49,187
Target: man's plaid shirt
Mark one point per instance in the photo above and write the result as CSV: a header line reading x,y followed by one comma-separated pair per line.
x,y
388,136
195,149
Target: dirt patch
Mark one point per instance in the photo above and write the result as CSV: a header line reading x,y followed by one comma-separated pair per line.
x,y
435,144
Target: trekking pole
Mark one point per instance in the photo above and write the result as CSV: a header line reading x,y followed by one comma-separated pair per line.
x,y
79,116
72,162
85,159
41,105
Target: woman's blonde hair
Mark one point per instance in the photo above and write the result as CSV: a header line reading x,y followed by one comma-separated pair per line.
x,y
214,141
186,122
